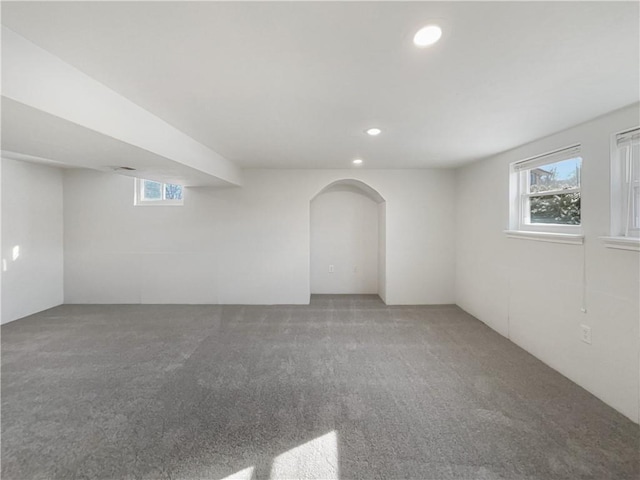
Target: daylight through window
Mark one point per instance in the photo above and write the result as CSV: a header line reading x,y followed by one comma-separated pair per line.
x,y
149,192
625,184
545,192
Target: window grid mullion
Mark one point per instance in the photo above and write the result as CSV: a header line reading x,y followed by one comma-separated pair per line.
x,y
553,192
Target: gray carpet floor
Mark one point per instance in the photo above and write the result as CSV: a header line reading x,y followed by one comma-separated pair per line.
x,y
343,388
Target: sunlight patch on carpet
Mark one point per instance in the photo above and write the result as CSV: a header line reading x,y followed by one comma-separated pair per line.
x,y
316,459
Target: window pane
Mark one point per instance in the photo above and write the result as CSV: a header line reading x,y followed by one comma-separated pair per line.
x,y
563,209
172,192
555,176
152,190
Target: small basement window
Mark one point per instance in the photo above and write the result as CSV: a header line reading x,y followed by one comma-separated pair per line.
x,y
150,192
545,193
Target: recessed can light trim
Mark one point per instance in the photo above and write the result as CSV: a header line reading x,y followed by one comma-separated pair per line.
x,y
373,131
357,161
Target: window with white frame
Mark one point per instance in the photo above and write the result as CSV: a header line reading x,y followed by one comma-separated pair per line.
x,y
545,192
625,184
149,192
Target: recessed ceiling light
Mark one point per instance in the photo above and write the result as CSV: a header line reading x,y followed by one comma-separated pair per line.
x,y
357,161
374,131
427,36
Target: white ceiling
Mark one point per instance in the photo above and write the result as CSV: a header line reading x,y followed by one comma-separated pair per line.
x,y
294,85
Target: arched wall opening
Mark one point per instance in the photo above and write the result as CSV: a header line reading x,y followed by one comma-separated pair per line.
x,y
348,240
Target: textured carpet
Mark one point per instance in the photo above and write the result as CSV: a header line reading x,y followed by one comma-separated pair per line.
x,y
343,388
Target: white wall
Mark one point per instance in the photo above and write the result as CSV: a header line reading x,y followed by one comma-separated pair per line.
x,y
32,239
248,245
382,251
532,292
1,248
344,234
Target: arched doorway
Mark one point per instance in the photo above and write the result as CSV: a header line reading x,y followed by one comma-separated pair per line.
x,y
348,240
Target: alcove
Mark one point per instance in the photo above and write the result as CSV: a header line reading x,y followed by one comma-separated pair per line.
x,y
348,240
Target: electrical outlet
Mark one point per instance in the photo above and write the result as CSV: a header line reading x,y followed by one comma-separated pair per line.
x,y
330,268
585,334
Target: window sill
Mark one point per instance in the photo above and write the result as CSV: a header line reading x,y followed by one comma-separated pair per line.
x,y
622,243
567,238
158,203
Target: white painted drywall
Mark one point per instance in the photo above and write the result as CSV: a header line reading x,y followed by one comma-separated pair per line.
x,y
32,238
344,234
248,245
533,291
1,269
382,251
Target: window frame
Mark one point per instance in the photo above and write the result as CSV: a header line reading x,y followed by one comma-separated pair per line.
x,y
520,195
139,199
623,209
